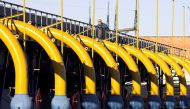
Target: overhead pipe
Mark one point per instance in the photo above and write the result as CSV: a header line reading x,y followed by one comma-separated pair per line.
x,y
136,80
115,96
170,100
53,53
90,80
21,98
153,98
181,76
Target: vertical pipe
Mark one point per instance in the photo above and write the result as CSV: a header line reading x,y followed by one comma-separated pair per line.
x,y
116,29
61,14
184,31
137,23
24,20
89,13
157,25
172,37
157,68
93,25
137,27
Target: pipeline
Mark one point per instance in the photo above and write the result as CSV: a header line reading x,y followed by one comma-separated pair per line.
x,y
55,56
21,99
115,98
181,76
153,98
90,80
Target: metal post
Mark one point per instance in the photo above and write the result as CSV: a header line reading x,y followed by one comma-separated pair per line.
x,y
24,20
184,31
61,14
172,37
137,27
157,25
93,25
116,13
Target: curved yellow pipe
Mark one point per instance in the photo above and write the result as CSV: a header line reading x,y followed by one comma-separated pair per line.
x,y
90,80
109,60
181,61
149,66
187,60
179,72
165,68
19,59
136,80
50,48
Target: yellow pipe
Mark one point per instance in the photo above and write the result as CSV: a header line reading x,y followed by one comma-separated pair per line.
x,y
179,72
49,26
187,60
136,80
90,80
17,54
109,60
149,66
165,68
10,17
49,47
181,62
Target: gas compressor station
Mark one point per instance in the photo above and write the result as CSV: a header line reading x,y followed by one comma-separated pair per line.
x,y
48,61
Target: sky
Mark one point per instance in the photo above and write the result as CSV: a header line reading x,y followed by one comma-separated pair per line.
x,y
79,10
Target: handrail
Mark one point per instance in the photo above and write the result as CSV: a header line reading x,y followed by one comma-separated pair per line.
x,y
120,33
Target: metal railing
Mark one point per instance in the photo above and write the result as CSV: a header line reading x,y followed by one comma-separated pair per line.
x,y
40,19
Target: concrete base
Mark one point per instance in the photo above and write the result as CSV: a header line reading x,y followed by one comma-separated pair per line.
x,y
60,102
21,101
115,102
90,102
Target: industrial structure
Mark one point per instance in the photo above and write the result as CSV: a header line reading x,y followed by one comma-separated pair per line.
x,y
48,61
